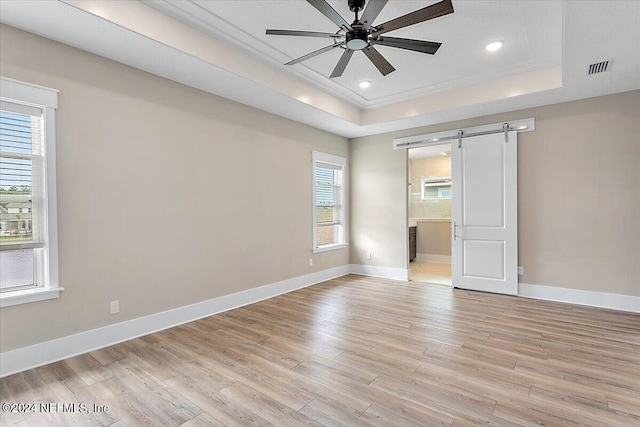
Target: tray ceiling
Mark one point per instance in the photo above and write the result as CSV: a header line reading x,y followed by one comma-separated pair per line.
x,y
531,32
221,47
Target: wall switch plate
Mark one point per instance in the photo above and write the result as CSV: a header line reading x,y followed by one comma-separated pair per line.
x,y
310,262
115,307
520,270
368,255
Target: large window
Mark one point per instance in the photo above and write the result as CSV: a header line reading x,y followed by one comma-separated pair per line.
x,y
328,202
28,244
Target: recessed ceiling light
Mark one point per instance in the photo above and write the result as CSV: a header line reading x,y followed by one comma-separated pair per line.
x,y
493,46
364,84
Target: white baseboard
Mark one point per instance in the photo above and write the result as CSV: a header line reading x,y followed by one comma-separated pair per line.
x,y
577,296
383,272
32,356
445,259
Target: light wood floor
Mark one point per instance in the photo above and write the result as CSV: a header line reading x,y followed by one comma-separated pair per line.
x,y
431,272
358,351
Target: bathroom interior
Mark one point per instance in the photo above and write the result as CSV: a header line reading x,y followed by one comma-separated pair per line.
x,y
429,194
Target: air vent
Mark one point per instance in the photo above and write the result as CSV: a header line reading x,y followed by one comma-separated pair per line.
x,y
599,67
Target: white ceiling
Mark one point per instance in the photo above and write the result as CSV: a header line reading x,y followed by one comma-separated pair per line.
x,y
462,60
430,151
221,47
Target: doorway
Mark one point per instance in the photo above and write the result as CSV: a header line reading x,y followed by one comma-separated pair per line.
x,y
429,193
482,205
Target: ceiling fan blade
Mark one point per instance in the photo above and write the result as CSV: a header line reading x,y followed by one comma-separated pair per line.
x,y
314,53
436,10
378,60
342,64
301,33
409,44
371,12
326,9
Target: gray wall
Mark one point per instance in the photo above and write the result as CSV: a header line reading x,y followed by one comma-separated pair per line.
x,y
578,194
167,195
434,238
378,203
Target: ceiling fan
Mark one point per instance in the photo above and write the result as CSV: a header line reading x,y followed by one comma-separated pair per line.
x,y
362,35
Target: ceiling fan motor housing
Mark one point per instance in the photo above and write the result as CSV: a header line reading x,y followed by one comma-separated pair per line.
x,y
356,5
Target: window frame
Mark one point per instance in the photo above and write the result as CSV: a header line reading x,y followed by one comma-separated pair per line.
x,y
319,158
440,183
45,99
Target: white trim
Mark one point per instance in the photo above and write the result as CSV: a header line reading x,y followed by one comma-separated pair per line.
x,y
582,297
319,156
20,245
382,272
24,358
444,259
29,295
427,139
51,201
332,247
21,92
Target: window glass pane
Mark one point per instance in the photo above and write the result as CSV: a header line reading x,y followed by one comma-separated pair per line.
x,y
16,133
328,203
16,200
326,235
325,194
16,268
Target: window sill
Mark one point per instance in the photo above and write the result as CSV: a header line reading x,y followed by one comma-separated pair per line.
x,y
329,247
28,295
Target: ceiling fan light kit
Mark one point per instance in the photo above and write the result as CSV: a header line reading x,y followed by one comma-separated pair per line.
x,y
363,35
357,39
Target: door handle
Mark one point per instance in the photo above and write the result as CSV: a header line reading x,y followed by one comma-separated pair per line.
x,y
455,231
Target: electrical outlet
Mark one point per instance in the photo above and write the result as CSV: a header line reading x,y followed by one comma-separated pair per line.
x,y
520,270
310,262
368,255
115,307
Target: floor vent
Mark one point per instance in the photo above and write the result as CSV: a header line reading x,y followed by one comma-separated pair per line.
x,y
599,67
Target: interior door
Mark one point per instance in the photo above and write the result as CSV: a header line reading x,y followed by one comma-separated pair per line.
x,y
484,213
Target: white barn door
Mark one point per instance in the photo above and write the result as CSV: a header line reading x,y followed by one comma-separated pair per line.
x,y
485,213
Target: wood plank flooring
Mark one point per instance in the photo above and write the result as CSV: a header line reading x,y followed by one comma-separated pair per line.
x,y
356,351
430,272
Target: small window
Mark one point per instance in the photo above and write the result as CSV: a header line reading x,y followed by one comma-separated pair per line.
x,y
28,244
329,231
444,193
436,188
